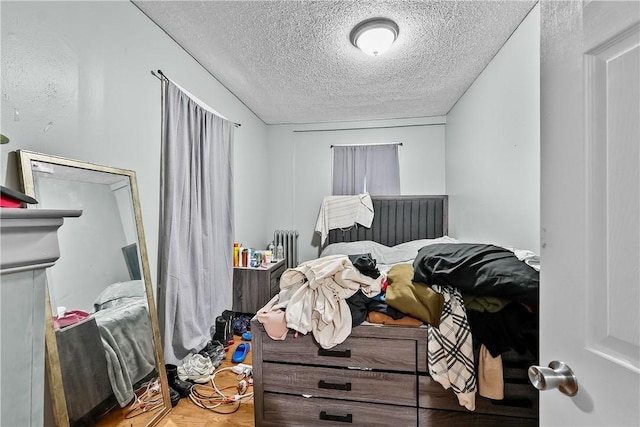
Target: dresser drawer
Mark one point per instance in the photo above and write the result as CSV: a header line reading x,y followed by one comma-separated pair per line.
x,y
288,411
346,384
368,353
431,417
520,400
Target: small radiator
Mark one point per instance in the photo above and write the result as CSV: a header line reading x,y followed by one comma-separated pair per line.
x,y
289,241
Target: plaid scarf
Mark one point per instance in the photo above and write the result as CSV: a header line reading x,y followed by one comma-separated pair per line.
x,y
450,348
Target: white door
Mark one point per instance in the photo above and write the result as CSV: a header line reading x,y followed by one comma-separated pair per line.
x,y
590,209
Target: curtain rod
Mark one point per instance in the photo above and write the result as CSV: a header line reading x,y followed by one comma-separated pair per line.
x,y
161,76
358,145
368,128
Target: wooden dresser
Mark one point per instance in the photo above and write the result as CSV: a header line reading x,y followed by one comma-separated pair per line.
x,y
254,287
519,408
377,377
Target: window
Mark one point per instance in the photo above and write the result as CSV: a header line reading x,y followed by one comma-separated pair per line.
x,y
372,169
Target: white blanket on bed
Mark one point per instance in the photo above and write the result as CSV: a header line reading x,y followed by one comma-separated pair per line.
x,y
343,212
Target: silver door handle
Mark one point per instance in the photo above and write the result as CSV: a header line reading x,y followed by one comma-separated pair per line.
x,y
558,374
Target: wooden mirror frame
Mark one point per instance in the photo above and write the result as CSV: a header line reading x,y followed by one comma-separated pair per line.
x,y
52,361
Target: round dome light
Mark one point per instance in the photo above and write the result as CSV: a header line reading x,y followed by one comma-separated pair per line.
x,y
374,36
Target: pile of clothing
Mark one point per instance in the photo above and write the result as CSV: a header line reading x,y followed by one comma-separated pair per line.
x,y
313,298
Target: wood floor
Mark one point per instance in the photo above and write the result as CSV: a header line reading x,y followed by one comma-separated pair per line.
x,y
187,414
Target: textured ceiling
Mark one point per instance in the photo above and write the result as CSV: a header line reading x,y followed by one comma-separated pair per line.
x,y
292,62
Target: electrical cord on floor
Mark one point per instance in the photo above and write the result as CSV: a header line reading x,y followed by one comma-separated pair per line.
x,y
212,398
147,398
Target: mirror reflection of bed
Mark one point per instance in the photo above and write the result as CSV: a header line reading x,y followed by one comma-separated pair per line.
x,y
116,352
99,293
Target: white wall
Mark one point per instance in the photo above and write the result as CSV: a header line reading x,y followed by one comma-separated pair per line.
x,y
493,147
77,83
300,158
98,234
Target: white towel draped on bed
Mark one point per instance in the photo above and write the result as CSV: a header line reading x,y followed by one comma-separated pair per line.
x,y
342,212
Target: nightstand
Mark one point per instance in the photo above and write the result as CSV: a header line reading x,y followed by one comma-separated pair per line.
x,y
254,287
85,375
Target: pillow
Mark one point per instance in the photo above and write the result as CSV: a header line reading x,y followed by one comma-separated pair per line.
x,y
416,245
415,299
377,250
407,251
403,252
119,293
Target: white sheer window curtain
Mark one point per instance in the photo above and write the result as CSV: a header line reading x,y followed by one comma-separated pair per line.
x,y
196,225
372,169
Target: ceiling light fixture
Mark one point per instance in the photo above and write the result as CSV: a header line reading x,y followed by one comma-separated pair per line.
x,y
374,36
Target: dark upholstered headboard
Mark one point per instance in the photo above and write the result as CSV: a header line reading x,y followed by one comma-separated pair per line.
x,y
399,219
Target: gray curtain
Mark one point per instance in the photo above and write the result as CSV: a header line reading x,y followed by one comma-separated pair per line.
x,y
348,169
196,226
366,168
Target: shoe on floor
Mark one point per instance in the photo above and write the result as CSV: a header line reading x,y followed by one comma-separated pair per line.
x,y
196,368
241,324
223,330
182,387
174,396
214,350
240,353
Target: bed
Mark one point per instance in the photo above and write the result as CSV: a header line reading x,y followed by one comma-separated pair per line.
x,y
125,329
380,374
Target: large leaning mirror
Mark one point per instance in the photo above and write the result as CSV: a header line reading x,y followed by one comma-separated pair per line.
x,y
103,351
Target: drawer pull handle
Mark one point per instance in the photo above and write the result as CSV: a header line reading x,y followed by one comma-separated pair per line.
x,y
333,386
334,353
340,418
